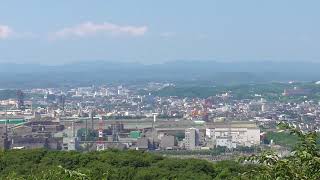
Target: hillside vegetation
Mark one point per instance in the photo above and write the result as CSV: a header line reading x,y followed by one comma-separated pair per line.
x,y
110,164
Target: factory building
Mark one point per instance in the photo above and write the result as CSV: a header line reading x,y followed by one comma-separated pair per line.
x,y
233,134
168,142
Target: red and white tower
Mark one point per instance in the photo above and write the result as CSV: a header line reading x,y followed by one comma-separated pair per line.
x,y
100,142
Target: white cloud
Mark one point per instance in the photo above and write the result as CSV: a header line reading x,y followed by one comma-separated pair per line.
x,y
90,28
5,31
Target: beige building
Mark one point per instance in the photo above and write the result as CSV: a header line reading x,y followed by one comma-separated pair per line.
x,y
233,134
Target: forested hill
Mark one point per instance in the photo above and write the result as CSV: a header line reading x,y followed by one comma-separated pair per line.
x,y
110,164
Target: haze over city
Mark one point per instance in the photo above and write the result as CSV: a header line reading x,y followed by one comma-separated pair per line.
x,y
144,90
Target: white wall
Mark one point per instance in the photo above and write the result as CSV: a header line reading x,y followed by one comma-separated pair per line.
x,y
240,136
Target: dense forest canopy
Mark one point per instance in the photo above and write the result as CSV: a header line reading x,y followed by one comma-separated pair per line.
x,y
110,164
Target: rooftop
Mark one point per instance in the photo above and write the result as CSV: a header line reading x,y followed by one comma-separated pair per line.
x,y
233,124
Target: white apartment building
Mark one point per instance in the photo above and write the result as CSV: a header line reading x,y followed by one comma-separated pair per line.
x,y
233,134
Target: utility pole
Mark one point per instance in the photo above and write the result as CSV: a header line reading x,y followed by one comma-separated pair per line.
x,y
6,130
86,134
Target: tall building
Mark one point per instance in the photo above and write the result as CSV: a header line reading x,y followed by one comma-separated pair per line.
x,y
191,138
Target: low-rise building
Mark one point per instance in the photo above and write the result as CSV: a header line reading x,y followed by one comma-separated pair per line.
x,y
34,143
70,143
168,142
143,143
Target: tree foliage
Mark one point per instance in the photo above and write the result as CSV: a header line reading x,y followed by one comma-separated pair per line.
x,y
282,138
302,163
110,164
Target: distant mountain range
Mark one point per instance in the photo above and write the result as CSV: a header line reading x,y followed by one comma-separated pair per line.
x,y
99,72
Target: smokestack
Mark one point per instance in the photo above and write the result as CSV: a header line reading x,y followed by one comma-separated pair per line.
x,y
154,118
73,132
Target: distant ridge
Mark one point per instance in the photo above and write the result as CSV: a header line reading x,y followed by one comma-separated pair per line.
x,y
98,72
264,66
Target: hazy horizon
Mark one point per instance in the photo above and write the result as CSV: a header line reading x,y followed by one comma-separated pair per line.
x,y
64,32
187,61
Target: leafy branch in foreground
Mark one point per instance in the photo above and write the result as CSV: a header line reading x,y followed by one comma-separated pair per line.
x,y
302,163
51,174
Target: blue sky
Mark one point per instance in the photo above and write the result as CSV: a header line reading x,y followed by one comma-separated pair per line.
x,y
59,31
